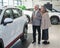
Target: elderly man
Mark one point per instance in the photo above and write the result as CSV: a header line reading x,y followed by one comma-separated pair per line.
x,y
36,23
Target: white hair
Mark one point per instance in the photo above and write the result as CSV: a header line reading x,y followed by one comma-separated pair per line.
x,y
37,6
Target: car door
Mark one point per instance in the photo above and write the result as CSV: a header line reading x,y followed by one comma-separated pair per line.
x,y
19,21
14,29
8,28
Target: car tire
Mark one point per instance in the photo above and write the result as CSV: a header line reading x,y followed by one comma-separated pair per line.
x,y
28,17
1,43
24,37
54,20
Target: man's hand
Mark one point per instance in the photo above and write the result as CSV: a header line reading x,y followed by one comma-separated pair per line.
x,y
30,22
34,17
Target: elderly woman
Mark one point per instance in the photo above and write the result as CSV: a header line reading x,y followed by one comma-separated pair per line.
x,y
45,25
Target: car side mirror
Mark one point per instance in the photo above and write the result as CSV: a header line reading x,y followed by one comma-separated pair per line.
x,y
8,20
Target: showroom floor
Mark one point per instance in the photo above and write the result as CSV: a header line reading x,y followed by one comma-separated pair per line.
x,y
54,38
25,44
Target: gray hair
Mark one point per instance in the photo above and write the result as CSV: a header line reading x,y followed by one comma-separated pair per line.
x,y
37,6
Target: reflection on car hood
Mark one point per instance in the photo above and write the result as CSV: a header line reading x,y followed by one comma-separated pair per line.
x,y
27,12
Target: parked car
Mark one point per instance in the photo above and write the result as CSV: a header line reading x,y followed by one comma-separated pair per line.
x,y
13,26
54,10
53,14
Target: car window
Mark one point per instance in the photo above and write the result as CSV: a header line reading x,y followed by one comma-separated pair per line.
x,y
55,10
20,12
0,11
16,13
7,14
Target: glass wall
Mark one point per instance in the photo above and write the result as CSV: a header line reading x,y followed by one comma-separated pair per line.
x,y
5,2
0,2
17,2
49,0
10,2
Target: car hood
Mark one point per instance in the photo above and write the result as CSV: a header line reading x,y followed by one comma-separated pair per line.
x,y
26,12
54,13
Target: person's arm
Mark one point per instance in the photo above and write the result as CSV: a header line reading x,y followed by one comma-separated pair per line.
x,y
31,18
39,16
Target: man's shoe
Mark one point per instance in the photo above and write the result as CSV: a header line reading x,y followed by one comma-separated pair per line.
x,y
38,42
46,42
33,41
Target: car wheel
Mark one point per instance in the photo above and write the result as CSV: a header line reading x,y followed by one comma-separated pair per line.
x,y
1,43
54,20
24,37
28,17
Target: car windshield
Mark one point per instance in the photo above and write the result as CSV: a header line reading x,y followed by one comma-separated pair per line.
x,y
0,11
53,10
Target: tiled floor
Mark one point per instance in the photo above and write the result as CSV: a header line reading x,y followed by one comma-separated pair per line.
x,y
54,38
19,44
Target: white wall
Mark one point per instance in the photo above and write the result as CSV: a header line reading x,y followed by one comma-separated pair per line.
x,y
56,5
27,3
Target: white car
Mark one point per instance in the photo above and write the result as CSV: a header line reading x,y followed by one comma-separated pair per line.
x,y
54,15
13,26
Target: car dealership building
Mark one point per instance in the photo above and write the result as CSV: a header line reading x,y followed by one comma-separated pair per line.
x,y
16,28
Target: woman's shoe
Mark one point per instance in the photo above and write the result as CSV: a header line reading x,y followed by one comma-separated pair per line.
x,y
46,42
